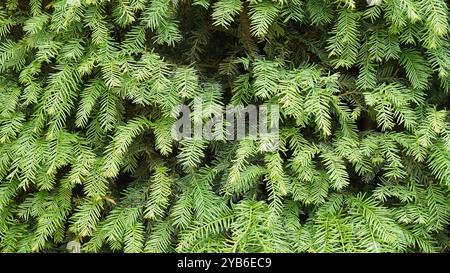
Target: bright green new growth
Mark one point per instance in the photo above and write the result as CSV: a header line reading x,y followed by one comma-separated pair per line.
x,y
87,88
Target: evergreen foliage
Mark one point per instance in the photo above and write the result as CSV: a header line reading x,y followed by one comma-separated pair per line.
x,y
86,93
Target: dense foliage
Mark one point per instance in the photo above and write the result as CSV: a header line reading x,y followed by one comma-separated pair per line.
x,y
87,160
